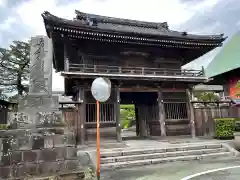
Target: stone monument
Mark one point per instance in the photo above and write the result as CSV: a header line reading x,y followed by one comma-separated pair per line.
x,y
39,107
39,143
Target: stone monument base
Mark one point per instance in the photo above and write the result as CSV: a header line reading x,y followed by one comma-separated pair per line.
x,y
26,153
25,120
38,142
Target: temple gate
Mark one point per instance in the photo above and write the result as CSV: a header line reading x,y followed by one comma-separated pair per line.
x,y
143,61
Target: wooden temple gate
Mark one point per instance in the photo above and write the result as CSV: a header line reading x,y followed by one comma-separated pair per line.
x,y
122,50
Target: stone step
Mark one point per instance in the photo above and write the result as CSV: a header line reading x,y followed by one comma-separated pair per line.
x,y
160,155
130,152
127,164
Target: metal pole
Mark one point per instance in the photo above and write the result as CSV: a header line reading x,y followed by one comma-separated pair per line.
x,y
98,140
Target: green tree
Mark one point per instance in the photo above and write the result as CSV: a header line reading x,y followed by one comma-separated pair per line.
x,y
14,67
206,96
127,115
2,95
238,87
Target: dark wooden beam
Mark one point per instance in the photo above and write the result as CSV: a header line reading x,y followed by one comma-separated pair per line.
x,y
137,119
117,113
161,112
80,124
189,92
142,121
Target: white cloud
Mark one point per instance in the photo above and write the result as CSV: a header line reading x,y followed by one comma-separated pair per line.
x,y
57,82
7,23
215,27
151,10
2,2
238,23
171,11
205,5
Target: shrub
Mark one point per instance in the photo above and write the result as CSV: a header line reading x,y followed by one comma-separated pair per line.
x,y
237,125
125,122
4,126
127,115
225,128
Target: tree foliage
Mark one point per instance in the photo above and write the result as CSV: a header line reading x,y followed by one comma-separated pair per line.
x,y
238,88
127,115
14,67
2,95
206,96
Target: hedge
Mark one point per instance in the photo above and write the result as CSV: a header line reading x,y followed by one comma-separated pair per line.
x,y
237,124
225,128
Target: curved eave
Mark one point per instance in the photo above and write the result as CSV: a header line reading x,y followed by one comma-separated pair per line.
x,y
76,26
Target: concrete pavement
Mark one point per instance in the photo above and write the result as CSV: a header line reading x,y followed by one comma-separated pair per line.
x,y
166,171
178,170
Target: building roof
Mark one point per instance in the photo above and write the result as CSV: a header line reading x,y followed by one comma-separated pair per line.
x,y
228,59
95,27
124,24
203,87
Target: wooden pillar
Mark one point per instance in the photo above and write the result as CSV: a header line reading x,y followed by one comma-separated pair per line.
x,y
161,112
117,114
191,112
81,118
142,113
137,119
66,60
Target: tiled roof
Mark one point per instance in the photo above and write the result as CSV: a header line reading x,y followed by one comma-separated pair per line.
x,y
227,59
127,22
125,25
96,23
142,27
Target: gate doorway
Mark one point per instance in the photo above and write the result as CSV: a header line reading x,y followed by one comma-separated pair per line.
x,y
138,110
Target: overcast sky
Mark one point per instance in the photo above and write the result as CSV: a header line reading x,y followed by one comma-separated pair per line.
x,y
21,19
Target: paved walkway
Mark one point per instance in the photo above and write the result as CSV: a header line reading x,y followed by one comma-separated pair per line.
x,y
148,143
169,171
178,171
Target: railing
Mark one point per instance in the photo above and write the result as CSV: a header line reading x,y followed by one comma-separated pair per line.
x,y
106,115
87,68
176,110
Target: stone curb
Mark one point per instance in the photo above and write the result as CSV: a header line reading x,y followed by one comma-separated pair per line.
x,y
233,151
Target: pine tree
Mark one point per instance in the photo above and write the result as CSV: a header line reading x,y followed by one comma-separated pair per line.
x,y
14,67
